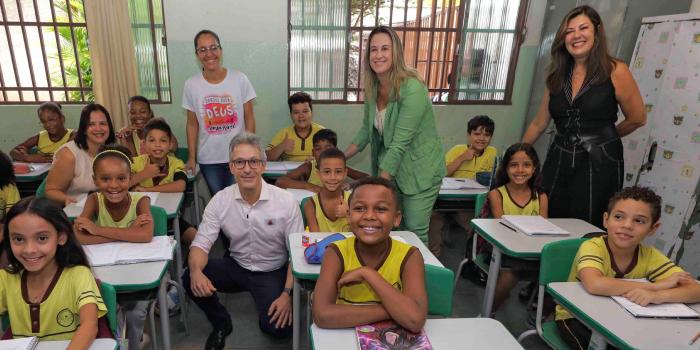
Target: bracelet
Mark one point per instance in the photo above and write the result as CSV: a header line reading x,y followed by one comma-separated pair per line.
x,y
287,290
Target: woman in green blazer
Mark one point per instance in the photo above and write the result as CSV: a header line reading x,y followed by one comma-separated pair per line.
x,y
399,124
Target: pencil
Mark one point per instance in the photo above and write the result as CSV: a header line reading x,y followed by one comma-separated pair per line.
x,y
694,339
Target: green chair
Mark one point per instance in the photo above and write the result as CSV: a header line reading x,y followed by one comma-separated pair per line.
x,y
438,284
182,153
160,221
301,206
555,265
480,260
109,297
41,190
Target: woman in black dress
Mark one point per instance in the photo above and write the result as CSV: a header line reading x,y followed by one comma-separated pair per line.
x,y
585,86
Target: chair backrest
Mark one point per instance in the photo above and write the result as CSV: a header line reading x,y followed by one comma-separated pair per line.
x,y
109,297
440,288
479,203
160,221
556,260
182,153
41,190
301,206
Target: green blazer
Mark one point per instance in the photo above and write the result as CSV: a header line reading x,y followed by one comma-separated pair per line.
x,y
410,149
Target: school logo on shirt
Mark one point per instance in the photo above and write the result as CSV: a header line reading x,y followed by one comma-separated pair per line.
x,y
65,318
220,115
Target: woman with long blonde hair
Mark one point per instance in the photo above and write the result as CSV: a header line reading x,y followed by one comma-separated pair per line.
x,y
585,86
399,124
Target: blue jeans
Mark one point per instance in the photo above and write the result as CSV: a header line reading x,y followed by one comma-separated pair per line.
x,y
218,176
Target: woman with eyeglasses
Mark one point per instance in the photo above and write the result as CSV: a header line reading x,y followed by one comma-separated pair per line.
x,y
399,124
219,105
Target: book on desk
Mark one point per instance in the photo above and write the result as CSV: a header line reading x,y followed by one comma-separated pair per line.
x,y
666,310
532,225
28,343
389,335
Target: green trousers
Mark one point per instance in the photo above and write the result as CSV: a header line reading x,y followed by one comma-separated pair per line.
x,y
416,210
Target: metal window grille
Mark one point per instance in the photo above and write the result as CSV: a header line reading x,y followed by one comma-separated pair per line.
x,y
465,50
148,29
44,53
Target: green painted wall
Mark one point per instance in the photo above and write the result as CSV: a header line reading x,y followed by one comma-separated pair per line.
x,y
254,40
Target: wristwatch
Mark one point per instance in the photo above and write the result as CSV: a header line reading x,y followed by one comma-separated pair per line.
x,y
287,290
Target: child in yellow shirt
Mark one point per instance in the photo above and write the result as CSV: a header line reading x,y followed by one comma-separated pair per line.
x,y
474,161
48,140
292,143
603,264
327,210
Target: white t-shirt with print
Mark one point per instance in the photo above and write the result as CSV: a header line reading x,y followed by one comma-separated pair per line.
x,y
219,110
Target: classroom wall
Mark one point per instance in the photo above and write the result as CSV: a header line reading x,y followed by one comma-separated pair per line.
x,y
254,40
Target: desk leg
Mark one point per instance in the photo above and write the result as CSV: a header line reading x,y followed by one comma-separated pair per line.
x,y
195,194
163,305
178,251
490,291
597,342
296,321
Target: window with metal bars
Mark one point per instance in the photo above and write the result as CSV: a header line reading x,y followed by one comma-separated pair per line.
x,y
44,53
466,50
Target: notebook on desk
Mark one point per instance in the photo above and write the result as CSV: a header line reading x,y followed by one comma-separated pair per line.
x,y
28,343
666,310
533,225
452,183
120,253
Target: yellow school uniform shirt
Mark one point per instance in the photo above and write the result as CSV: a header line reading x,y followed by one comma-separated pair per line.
x,y
511,208
104,218
175,165
324,223
9,196
302,146
647,263
314,178
468,169
390,269
57,317
138,144
46,146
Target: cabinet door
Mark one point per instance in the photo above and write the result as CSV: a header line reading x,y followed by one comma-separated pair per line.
x,y
649,62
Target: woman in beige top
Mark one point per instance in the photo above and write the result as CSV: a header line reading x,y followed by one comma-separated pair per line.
x,y
71,172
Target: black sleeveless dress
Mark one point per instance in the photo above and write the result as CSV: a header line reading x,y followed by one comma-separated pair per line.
x,y
579,185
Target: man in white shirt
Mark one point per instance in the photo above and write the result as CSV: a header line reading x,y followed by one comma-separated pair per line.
x,y
256,217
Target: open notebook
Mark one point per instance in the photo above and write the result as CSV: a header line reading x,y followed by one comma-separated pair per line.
x,y
119,253
533,225
452,183
28,343
667,310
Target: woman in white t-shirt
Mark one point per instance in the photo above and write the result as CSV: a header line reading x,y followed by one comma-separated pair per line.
x,y
219,104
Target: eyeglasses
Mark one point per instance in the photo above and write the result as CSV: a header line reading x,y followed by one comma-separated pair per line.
x,y
204,50
253,163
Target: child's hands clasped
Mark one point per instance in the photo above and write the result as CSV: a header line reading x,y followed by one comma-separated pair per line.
x,y
352,277
85,225
142,220
673,280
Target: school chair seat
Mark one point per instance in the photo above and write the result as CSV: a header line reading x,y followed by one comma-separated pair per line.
x,y
438,285
555,265
303,215
109,297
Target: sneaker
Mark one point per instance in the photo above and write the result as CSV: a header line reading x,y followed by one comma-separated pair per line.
x,y
172,298
217,337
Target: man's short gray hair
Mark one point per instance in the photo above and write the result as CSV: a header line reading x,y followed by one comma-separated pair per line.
x,y
247,138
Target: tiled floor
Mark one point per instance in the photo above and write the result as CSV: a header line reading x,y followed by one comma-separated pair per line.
x,y
246,335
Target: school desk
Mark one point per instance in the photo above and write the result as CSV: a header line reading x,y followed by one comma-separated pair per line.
x,y
301,270
519,245
275,169
140,277
443,333
171,203
612,324
29,182
98,344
